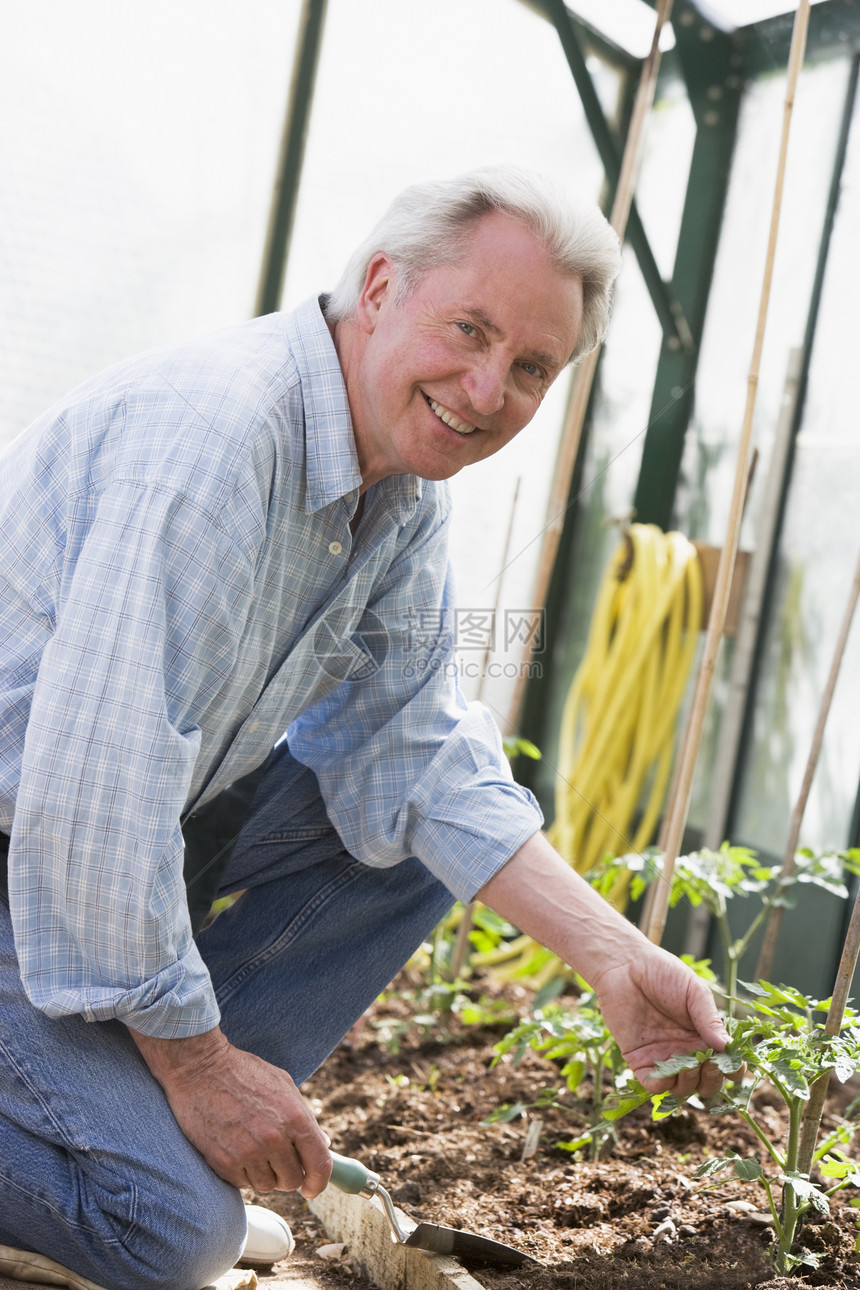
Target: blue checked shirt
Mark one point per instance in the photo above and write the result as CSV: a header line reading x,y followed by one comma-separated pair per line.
x,y
179,589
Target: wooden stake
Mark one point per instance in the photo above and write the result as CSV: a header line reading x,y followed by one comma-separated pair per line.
x,y
774,922
460,950
832,1026
575,416
677,819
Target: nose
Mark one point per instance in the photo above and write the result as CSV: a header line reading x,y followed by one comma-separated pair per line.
x,y
485,384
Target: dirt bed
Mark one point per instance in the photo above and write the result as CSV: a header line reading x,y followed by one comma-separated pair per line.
x,y
634,1218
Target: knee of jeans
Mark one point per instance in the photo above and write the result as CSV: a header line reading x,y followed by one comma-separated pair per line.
x,y
188,1245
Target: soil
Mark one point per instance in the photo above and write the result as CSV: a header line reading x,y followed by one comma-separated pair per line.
x,y
635,1218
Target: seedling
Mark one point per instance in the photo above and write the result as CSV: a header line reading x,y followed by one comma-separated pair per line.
x,y
580,1040
780,1040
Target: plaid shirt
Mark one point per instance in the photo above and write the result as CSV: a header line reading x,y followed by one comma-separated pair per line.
x,y
179,589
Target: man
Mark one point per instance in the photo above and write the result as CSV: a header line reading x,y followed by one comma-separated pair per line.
x,y
202,549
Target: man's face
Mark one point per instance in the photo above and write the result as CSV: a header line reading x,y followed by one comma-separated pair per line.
x,y
450,374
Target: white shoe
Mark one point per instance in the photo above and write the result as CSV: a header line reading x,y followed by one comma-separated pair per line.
x,y
269,1238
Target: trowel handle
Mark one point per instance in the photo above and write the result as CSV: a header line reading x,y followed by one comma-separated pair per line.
x,y
353,1177
356,1179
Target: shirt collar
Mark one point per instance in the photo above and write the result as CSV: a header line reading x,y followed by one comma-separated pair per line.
x,y
331,461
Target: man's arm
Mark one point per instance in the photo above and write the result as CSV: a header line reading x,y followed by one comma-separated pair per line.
x,y
653,1004
245,1117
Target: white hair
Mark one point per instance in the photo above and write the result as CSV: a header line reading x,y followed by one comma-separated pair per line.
x,y
428,224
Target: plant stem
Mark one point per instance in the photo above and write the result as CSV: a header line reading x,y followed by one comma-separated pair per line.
x,y
791,1213
795,1110
731,963
777,1223
762,1136
598,1083
742,944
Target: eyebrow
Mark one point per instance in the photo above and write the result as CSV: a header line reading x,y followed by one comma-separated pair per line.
x,y
540,356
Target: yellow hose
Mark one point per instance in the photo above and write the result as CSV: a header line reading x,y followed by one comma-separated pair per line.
x,y
618,722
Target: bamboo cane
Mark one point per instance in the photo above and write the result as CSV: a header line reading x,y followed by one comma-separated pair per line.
x,y
832,1026
461,940
575,416
774,922
677,817
647,910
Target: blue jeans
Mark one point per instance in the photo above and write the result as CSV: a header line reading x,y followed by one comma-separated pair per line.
x,y
94,1170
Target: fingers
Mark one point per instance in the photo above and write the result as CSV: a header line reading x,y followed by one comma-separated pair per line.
x,y
265,1157
706,1079
286,1151
317,1163
704,1015
262,1178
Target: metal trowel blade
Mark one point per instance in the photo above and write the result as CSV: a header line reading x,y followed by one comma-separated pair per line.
x,y
471,1249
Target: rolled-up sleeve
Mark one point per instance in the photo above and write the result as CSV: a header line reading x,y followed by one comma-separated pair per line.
x,y
146,631
406,767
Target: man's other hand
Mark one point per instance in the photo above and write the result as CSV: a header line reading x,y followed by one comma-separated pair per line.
x,y
246,1117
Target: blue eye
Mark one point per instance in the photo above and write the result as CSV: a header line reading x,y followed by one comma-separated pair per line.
x,y
531,369
466,328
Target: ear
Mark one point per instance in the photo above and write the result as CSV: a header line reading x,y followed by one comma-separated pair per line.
x,y
378,287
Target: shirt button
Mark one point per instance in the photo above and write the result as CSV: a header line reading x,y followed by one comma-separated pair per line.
x,y
335,548
349,497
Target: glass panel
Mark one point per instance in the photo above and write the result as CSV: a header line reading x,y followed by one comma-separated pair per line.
x,y
817,560
708,468
136,179
441,88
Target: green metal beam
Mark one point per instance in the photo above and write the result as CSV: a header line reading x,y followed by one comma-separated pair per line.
x,y
621,59
292,151
711,69
834,27
668,309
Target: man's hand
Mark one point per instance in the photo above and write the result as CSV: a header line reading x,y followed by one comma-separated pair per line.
x,y
653,1004
655,1007
245,1116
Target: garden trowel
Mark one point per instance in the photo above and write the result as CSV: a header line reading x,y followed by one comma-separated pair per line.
x,y
354,1178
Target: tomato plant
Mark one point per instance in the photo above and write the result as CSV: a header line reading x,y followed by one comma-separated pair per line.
x,y
779,1039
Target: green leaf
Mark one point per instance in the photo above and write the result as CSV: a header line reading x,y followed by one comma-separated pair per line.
x,y
793,1078
844,1066
805,1192
576,1144
664,1104
505,1113
728,1062
673,1065
752,988
849,1170
616,1110
713,1166
547,993
574,1072
808,1259
748,1170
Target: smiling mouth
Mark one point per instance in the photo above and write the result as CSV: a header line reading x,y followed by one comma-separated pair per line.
x,y
453,422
